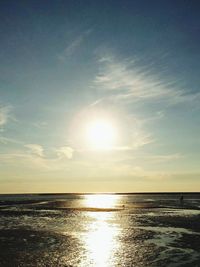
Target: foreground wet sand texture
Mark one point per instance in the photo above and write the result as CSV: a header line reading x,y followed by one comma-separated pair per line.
x,y
54,233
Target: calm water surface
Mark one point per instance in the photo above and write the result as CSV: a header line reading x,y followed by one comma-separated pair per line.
x,y
100,230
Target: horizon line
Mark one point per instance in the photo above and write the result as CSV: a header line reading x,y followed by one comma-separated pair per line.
x,y
104,193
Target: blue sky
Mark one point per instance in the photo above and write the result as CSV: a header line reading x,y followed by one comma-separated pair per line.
x,y
66,63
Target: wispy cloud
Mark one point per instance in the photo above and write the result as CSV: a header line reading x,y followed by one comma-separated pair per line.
x,y
4,114
140,139
36,149
40,125
127,80
27,160
33,156
164,158
6,140
144,96
74,44
137,140
65,152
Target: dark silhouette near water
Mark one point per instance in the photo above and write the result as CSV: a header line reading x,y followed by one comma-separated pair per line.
x,y
181,200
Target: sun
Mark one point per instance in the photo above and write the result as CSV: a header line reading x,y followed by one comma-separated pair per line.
x,y
101,134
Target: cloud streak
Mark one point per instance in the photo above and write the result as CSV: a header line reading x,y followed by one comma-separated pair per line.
x,y
65,152
72,47
4,115
127,81
35,157
36,149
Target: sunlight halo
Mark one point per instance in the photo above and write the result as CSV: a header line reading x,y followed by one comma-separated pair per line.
x,y
101,134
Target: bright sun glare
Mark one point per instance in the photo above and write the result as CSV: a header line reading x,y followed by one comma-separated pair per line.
x,y
101,135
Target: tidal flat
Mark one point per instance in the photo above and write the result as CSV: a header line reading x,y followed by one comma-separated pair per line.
x,y
100,230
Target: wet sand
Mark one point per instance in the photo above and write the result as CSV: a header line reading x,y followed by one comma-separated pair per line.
x,y
26,247
54,233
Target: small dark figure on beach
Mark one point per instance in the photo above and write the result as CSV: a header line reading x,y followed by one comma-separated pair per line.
x,y
181,200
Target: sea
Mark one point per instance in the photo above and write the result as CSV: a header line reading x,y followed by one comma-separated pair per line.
x,y
102,230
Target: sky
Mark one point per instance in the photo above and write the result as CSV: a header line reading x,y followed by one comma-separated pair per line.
x,y
129,67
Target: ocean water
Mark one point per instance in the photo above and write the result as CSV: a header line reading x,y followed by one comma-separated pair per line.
x,y
140,230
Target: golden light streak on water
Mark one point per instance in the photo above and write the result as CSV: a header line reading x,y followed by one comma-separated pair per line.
x,y
100,239
101,201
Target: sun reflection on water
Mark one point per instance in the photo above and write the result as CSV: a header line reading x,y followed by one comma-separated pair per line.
x,y
100,239
101,201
